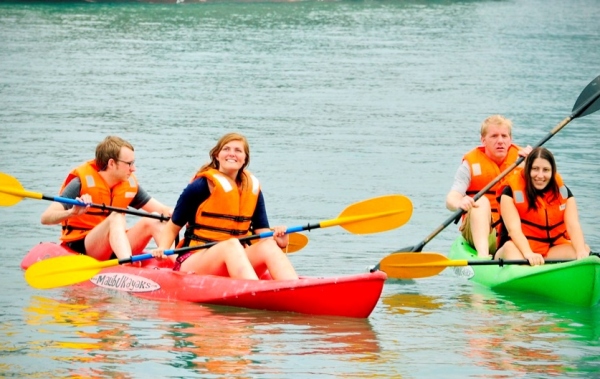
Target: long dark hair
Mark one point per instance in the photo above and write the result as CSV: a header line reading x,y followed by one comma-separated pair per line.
x,y
531,192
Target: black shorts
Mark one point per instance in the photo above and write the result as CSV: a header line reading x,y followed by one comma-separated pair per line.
x,y
77,246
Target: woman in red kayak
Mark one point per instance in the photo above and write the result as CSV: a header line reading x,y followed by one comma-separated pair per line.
x,y
540,214
223,203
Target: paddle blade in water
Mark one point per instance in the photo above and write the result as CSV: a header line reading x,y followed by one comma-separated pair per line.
x,y
376,215
8,185
62,271
416,265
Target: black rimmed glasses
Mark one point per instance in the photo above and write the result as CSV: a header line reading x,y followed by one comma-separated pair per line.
x,y
131,163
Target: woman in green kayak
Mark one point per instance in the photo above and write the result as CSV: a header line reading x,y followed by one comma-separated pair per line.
x,y
539,214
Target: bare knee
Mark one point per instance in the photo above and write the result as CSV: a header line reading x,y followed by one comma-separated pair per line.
x,y
116,219
150,224
508,251
483,202
232,248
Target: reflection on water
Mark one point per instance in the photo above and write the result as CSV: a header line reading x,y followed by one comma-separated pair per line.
x,y
402,303
522,334
503,335
101,331
341,101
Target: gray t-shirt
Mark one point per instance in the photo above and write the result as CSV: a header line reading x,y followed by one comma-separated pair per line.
x,y
73,189
462,179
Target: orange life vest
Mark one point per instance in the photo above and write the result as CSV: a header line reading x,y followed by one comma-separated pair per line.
x,y
484,170
228,210
121,195
544,227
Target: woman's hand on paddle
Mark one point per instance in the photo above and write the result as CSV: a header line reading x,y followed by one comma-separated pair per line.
x,y
78,209
280,236
534,259
158,254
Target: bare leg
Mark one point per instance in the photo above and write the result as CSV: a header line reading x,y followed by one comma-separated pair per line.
x,y
509,251
142,232
112,235
227,258
564,251
108,236
267,253
480,226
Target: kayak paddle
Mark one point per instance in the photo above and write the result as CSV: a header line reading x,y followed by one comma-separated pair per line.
x,y
375,215
587,103
296,242
414,266
12,192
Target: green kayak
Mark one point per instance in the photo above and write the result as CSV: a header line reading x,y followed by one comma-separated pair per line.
x,y
575,282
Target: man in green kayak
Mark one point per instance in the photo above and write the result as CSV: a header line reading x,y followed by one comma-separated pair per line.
x,y
109,180
480,167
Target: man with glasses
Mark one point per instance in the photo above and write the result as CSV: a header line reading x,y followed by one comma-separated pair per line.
x,y
108,180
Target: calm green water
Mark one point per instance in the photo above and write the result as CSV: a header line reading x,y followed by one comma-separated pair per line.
x,y
341,101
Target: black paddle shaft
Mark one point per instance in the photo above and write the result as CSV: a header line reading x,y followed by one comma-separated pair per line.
x,y
587,103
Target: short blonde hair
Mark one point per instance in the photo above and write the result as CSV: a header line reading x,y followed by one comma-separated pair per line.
x,y
496,120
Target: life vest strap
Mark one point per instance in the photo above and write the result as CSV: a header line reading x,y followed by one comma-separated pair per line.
x,y
474,192
227,217
189,236
232,232
550,240
70,228
542,227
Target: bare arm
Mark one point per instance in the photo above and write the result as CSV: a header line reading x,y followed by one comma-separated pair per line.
x,y
56,212
154,205
457,197
512,222
574,229
279,235
454,200
167,236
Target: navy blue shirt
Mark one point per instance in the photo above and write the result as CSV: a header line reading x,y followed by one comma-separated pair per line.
x,y
197,192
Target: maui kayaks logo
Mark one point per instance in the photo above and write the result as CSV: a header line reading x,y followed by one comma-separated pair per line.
x,y
125,282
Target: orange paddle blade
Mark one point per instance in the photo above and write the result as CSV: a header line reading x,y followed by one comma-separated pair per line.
x,y
297,242
416,265
375,215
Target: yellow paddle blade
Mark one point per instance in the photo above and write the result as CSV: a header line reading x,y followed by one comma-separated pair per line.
x,y
297,242
9,190
416,265
64,271
375,215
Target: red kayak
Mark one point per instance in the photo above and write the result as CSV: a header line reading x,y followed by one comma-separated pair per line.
x,y
348,296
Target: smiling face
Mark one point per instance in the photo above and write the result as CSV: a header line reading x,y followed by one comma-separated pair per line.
x,y
232,157
541,173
